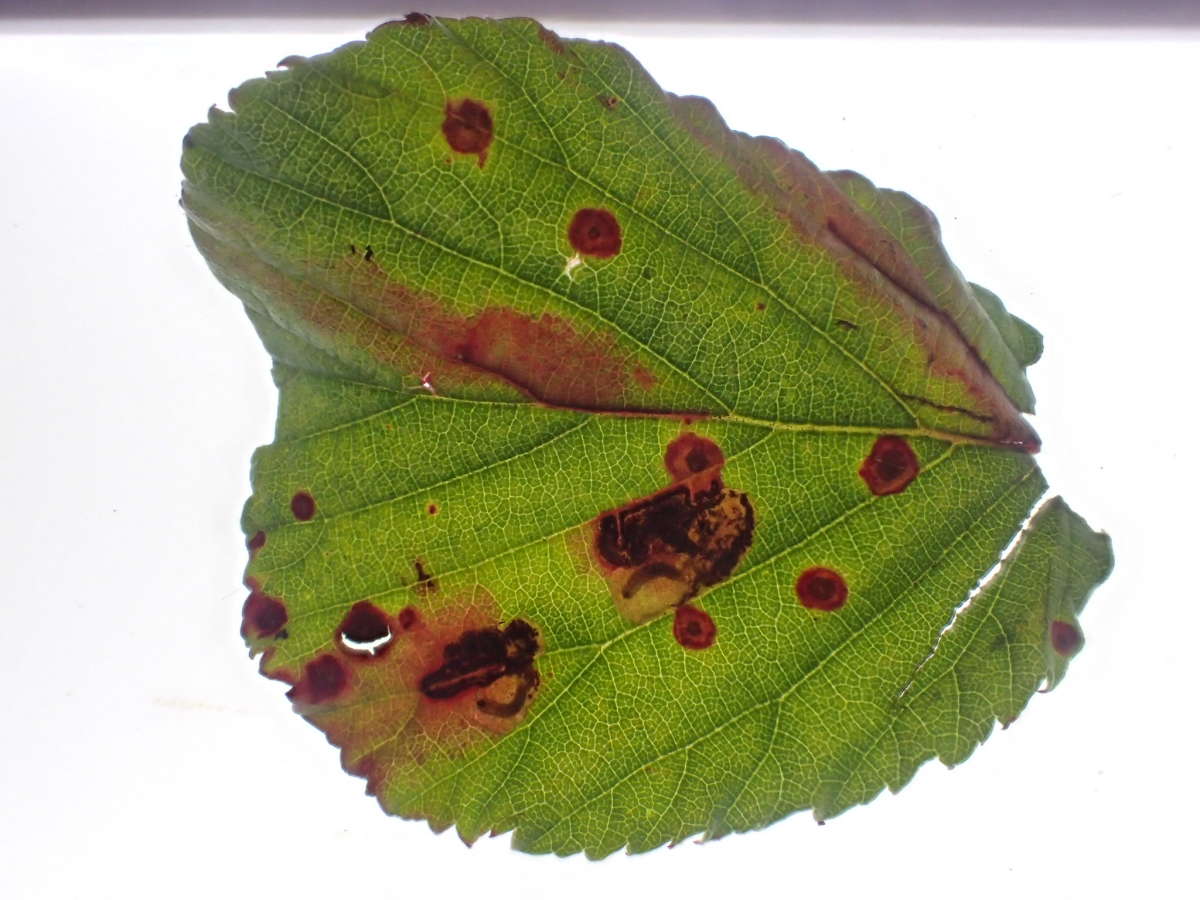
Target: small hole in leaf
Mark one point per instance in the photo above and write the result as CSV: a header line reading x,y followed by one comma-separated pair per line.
x,y
364,631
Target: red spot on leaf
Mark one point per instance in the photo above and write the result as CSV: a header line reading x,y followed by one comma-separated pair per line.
x,y
890,466
256,542
595,232
324,679
689,454
304,507
407,618
1065,638
432,509
821,589
468,127
262,616
694,628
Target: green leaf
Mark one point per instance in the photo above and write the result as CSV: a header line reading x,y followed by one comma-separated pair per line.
x,y
632,478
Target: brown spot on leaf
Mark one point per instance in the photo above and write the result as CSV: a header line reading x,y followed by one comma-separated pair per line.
x,y
609,101
262,615
304,507
694,628
364,631
415,18
1065,638
425,582
890,466
662,550
467,127
551,40
432,509
821,589
324,680
595,232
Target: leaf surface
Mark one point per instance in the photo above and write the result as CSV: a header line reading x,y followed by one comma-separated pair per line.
x,y
633,478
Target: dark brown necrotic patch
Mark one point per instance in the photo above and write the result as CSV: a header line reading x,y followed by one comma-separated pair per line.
x,y
890,466
680,540
262,616
595,232
1065,638
257,542
364,630
821,589
694,628
467,127
304,507
324,679
481,657
425,582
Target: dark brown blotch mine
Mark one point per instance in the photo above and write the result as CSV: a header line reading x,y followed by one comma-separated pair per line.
x,y
364,630
821,589
263,616
479,658
324,679
256,542
663,550
1065,638
304,507
467,127
595,232
689,454
694,628
890,466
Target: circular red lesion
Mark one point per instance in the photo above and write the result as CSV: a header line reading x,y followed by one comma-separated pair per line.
x,y
890,466
690,454
262,615
821,589
1065,638
304,507
694,628
324,679
595,232
407,618
467,127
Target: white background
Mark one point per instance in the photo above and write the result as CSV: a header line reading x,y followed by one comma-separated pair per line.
x,y
143,756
